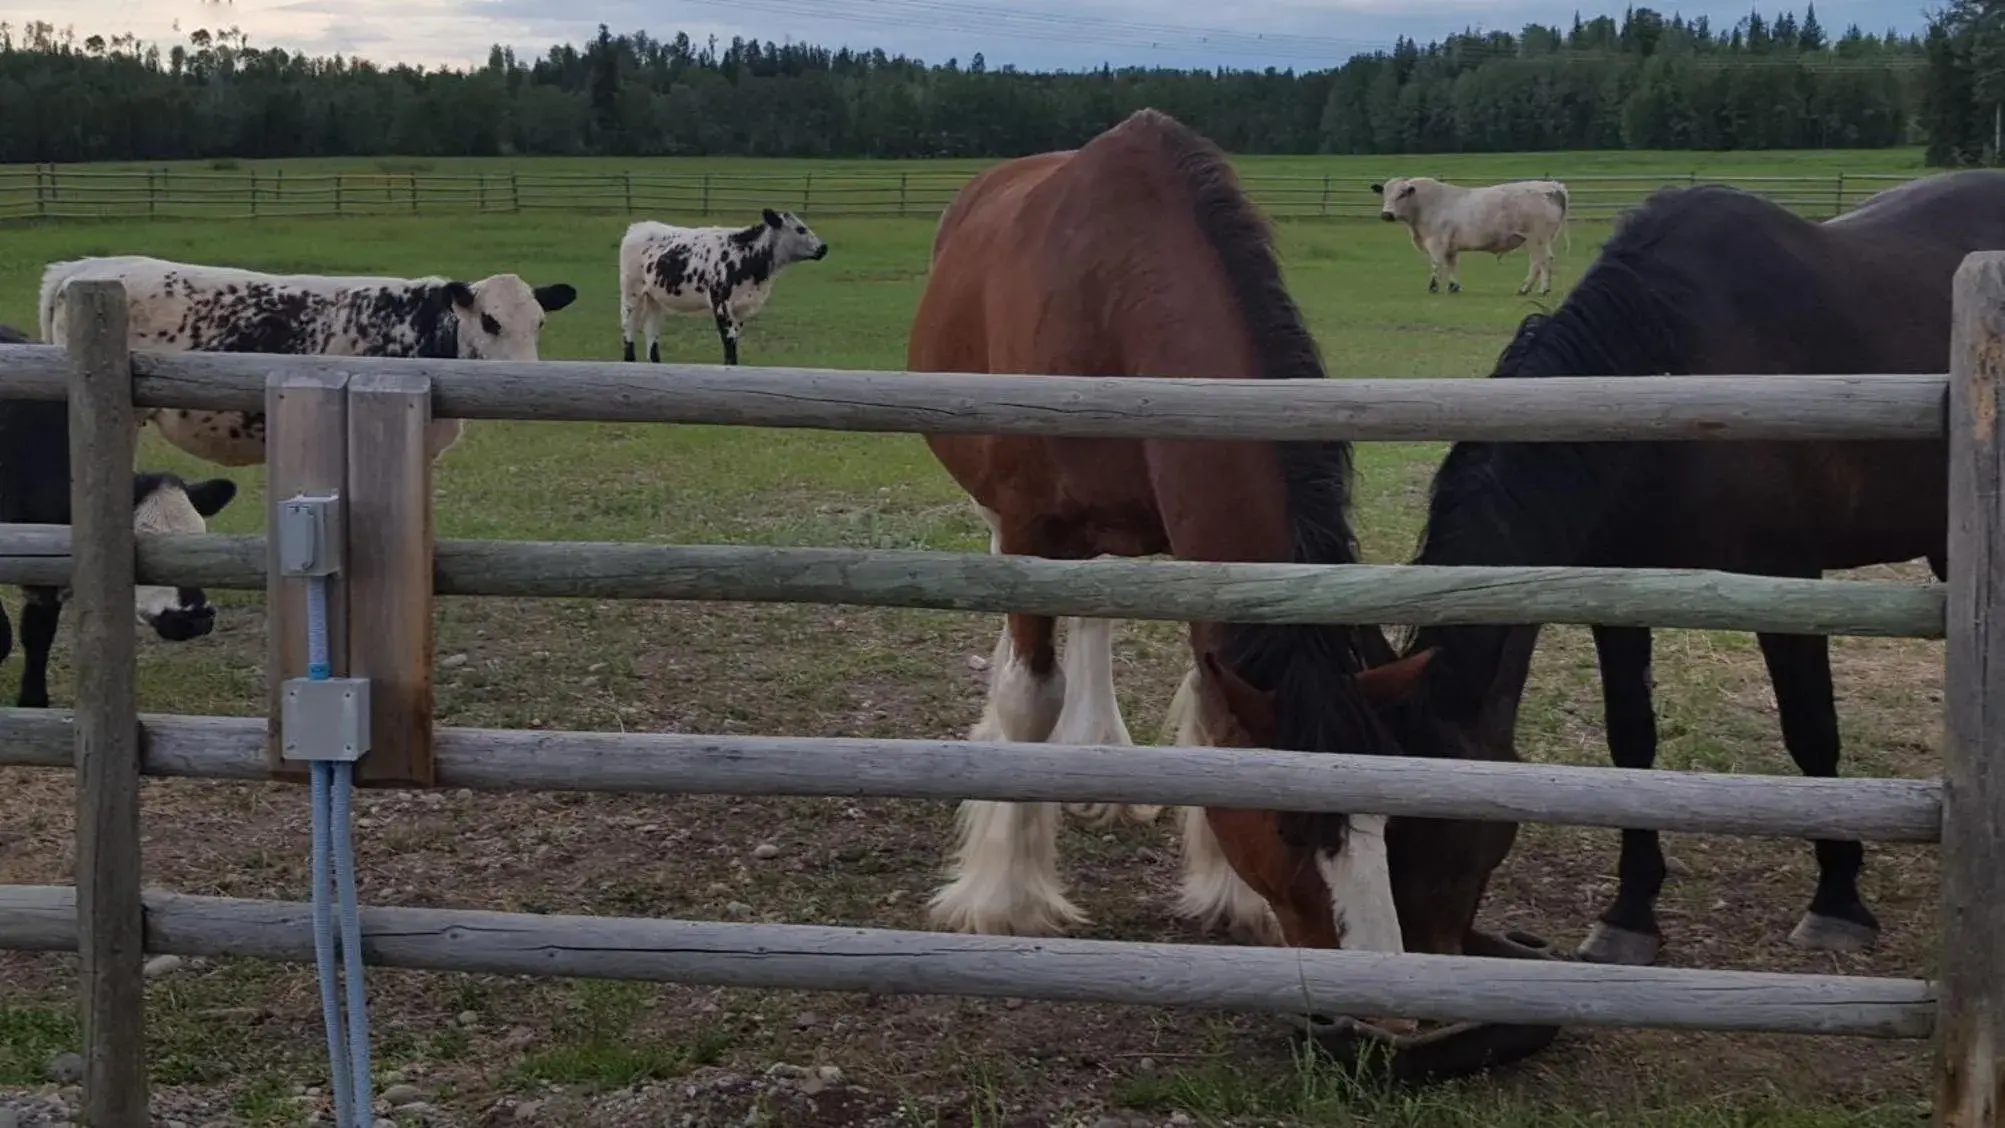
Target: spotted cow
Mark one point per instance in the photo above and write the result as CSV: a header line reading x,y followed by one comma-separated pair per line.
x,y
183,307
719,271
35,490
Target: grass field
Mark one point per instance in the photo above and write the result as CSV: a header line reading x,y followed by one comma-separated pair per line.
x,y
235,1041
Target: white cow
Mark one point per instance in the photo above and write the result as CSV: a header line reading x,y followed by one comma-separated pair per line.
x,y
1446,220
182,307
724,272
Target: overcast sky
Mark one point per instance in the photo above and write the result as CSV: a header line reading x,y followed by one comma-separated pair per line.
x,y
1030,33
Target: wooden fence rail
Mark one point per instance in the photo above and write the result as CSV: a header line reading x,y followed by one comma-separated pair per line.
x,y
52,192
112,745
1555,409
1287,981
1176,590
1889,810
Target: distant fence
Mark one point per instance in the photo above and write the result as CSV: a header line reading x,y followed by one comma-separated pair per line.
x,y
49,192
357,425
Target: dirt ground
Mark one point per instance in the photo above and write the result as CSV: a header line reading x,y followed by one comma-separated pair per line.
x,y
239,1042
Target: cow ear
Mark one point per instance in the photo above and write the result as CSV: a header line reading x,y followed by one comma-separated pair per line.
x,y
773,218
1379,189
555,297
211,496
459,294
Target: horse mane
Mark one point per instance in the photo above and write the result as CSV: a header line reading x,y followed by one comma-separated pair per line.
x,y
1548,503
1303,665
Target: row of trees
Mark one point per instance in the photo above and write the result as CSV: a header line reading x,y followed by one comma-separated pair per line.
x,y
1963,104
1641,82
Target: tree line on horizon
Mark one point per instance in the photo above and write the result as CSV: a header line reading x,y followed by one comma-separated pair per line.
x,y
1642,82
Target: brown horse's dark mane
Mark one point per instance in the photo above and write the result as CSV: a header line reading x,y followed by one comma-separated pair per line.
x,y
1307,667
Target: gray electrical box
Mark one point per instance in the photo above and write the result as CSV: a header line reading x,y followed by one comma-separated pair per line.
x,y
307,544
326,719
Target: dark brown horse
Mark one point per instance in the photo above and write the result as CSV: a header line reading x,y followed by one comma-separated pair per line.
x,y
1138,254
1705,280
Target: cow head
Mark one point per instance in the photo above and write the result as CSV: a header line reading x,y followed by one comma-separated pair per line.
x,y
163,503
501,317
792,241
1400,202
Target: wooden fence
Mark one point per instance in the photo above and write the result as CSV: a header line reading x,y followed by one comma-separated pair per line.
x,y
111,923
49,192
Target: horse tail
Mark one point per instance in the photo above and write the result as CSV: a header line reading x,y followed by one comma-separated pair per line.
x,y
1558,195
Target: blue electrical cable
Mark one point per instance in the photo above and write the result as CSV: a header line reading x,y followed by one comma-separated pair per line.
x,y
342,1081
333,845
351,945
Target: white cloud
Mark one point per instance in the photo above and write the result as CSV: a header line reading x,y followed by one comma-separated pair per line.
x,y
1299,33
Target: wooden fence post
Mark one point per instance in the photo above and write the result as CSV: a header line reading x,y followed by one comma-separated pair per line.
x,y
630,191
254,193
110,916
1970,1022
902,178
808,193
514,192
1838,201
337,193
414,193
706,194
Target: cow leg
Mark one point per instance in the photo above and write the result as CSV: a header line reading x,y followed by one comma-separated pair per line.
x,y
1799,667
38,635
651,334
727,330
1453,261
629,310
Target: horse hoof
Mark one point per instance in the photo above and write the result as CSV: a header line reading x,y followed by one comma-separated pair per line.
x,y
1094,816
955,908
1606,944
1143,814
1833,934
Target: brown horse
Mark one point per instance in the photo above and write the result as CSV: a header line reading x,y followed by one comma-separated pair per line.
x,y
1138,254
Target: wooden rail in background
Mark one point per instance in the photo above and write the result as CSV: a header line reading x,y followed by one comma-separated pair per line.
x,y
1555,409
1286,981
1887,810
1176,590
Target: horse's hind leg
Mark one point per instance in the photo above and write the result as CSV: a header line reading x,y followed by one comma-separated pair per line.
x,y
39,616
1799,667
1092,713
1627,932
1004,875
1211,893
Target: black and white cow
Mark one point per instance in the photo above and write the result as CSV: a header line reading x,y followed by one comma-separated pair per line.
x,y
724,272
35,490
184,307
